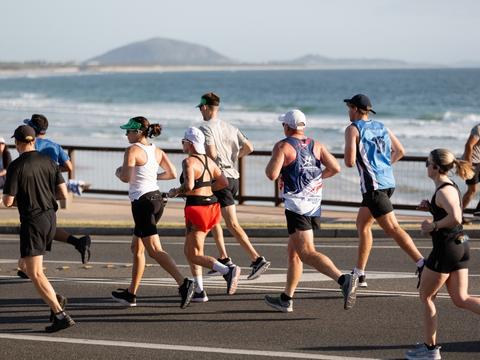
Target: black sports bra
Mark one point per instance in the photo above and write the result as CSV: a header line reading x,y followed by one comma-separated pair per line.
x,y
199,183
438,212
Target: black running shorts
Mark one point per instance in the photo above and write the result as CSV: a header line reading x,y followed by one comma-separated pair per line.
x,y
37,232
448,255
301,222
378,202
147,211
227,195
476,178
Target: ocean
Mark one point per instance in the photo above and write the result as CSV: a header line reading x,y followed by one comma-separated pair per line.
x,y
426,109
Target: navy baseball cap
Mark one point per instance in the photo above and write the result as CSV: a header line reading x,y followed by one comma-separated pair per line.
x,y
39,122
361,101
24,133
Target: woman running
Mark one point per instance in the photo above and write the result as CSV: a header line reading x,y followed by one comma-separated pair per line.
x,y
448,261
200,177
140,171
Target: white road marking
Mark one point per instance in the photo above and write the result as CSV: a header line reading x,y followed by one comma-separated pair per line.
x,y
201,349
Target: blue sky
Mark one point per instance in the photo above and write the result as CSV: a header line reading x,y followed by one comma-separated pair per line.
x,y
441,31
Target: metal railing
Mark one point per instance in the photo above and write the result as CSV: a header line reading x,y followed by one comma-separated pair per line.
x,y
96,165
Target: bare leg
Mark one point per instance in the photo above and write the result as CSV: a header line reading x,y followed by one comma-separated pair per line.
x,y
457,285
155,251
34,267
430,284
365,238
302,242
61,235
295,270
217,233
389,224
138,268
469,194
229,214
193,249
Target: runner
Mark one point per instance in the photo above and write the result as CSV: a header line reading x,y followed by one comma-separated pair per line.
x,y
140,171
202,211
226,144
448,262
374,148
33,180
471,154
298,161
5,160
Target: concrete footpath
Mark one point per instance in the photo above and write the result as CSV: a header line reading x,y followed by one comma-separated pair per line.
x,y
107,216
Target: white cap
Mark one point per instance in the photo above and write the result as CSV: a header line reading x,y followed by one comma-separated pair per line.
x,y
2,140
293,118
196,137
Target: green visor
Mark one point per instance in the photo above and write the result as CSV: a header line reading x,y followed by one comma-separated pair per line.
x,y
203,101
131,125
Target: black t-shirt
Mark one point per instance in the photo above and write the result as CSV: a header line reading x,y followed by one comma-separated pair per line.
x,y
33,178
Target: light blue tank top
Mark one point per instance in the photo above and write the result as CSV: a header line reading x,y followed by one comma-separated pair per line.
x,y
374,156
302,179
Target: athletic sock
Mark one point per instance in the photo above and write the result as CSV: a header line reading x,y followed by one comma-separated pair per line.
x,y
285,297
198,283
222,269
72,240
420,262
358,271
341,280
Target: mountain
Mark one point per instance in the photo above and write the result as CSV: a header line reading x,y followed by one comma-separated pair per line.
x,y
315,60
160,51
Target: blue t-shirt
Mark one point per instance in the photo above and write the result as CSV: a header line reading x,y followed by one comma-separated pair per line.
x,y
374,156
51,149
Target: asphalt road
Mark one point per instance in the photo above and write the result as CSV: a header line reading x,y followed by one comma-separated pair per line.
x,y
386,320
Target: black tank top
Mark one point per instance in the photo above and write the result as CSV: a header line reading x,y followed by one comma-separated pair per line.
x,y
439,213
199,183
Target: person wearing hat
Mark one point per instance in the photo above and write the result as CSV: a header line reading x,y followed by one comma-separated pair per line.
x,y
33,180
374,149
141,164
5,160
199,179
53,150
301,164
471,154
226,144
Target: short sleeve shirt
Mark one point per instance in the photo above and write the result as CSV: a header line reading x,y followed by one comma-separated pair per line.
x,y
32,179
476,149
52,150
228,141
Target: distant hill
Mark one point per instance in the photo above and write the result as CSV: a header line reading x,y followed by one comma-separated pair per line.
x,y
324,61
160,51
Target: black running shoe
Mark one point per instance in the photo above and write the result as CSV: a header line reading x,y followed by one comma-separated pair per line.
x,y
124,297
362,281
277,303
186,292
22,274
200,296
62,300
259,266
227,262
83,247
349,290
232,278
58,324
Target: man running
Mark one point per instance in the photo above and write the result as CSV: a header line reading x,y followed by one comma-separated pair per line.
x,y
471,154
299,161
374,148
33,180
226,144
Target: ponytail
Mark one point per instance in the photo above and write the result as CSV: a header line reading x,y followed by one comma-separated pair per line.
x,y
464,169
154,130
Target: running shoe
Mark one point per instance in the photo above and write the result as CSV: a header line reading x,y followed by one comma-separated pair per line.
x,y
124,297
62,300
232,278
186,291
227,262
259,266
420,351
60,324
349,290
277,303
83,247
362,281
22,274
199,297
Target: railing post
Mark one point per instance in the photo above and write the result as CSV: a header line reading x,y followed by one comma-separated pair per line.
x,y
278,201
241,182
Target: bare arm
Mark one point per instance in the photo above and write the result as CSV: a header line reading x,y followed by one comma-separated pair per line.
x,y
397,148
125,172
8,200
332,167
165,163
220,179
447,199
67,166
351,141
211,151
246,149
61,191
276,162
471,142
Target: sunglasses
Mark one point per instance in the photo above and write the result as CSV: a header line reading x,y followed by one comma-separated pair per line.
x,y
185,141
428,162
133,132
